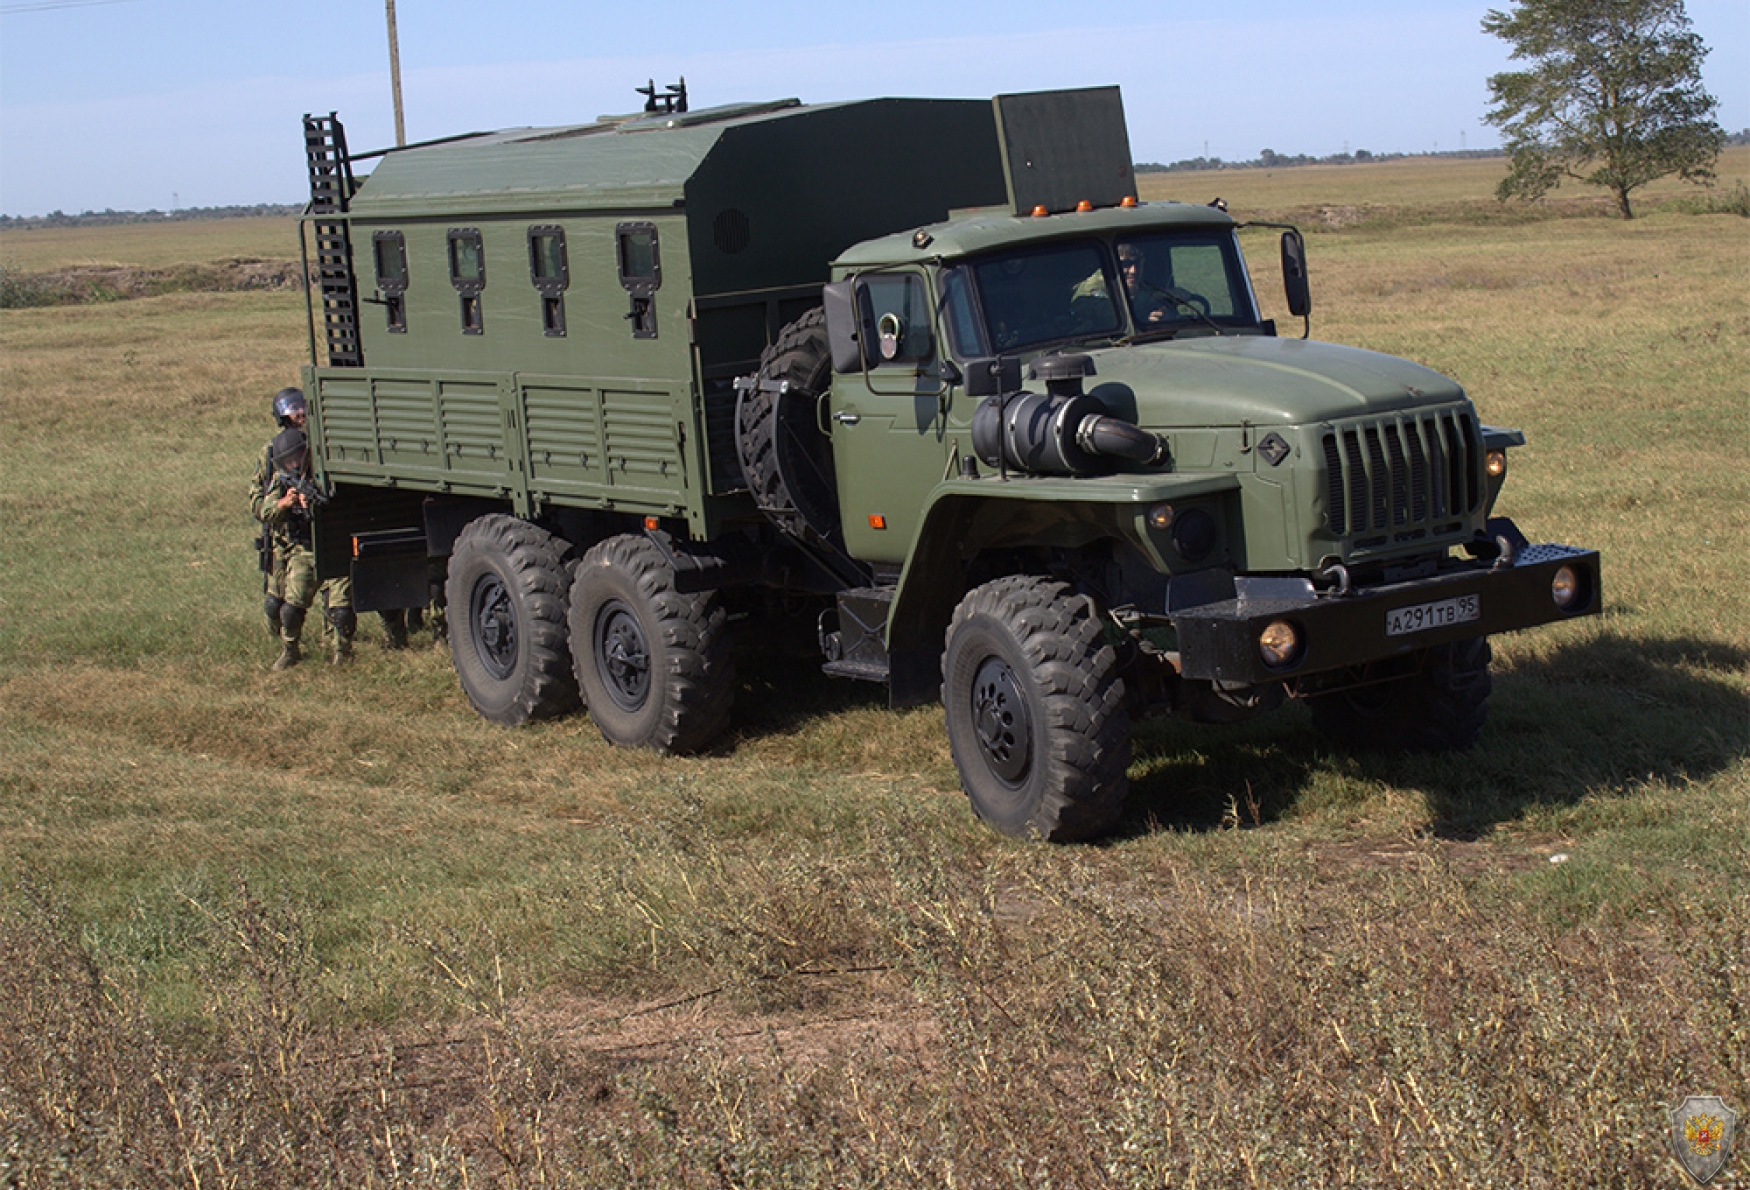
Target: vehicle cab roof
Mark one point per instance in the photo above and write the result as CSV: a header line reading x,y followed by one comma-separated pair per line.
x,y
974,232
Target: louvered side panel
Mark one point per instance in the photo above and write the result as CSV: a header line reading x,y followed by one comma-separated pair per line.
x,y
641,441
472,420
407,426
349,429
564,432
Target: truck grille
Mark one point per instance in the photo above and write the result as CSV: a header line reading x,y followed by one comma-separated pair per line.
x,y
1400,478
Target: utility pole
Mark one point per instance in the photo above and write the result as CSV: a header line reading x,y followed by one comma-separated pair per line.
x,y
395,75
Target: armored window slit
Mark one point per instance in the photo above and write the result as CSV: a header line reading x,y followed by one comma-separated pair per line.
x,y
639,257
467,256
389,254
550,274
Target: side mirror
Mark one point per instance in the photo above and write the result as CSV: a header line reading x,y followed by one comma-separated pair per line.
x,y
992,376
1294,281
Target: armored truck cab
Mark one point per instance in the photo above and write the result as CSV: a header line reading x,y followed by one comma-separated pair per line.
x,y
1029,439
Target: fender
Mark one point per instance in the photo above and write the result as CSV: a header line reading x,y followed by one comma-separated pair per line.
x,y
965,516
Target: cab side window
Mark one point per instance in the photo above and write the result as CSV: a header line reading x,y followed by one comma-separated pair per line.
x,y
468,275
898,306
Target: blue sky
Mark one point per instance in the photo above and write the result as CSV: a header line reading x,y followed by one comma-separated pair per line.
x,y
138,104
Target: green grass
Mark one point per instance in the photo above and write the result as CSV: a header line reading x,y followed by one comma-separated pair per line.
x,y
330,928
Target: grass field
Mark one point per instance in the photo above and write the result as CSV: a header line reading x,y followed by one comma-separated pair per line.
x,y
330,928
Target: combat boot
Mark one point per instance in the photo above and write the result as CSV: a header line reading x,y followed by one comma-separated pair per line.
x,y
291,628
343,622
394,630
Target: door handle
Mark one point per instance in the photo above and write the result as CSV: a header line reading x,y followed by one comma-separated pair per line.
x,y
847,419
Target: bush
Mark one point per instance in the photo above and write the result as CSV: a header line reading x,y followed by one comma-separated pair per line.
x,y
20,291
1732,201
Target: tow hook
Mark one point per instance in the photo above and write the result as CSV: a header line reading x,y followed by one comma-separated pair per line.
x,y
1337,574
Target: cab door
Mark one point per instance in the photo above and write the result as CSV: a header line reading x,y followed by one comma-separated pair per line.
x,y
889,426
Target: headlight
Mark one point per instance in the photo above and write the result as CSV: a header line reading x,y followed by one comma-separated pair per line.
x,y
1566,587
1279,644
1495,463
1193,534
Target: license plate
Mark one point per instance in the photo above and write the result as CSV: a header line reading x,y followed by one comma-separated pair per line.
x,y
1444,613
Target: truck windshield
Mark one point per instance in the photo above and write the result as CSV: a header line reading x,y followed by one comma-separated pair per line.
x,y
1185,280
1034,297
1027,298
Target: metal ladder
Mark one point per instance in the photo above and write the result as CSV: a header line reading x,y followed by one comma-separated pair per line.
x,y
331,186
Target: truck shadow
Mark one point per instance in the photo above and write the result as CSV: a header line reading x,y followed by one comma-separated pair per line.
x,y
1601,717
779,682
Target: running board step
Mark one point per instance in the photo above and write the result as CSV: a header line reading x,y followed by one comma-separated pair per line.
x,y
857,647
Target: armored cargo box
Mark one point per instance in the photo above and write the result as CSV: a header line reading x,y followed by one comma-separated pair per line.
x,y
553,317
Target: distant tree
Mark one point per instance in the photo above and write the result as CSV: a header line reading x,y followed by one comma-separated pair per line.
x,y
1611,96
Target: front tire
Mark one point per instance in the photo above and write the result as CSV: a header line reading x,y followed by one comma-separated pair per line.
x,y
506,592
1439,708
653,663
1035,711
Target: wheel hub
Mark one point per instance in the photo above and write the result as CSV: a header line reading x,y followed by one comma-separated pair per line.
x,y
622,656
999,716
493,621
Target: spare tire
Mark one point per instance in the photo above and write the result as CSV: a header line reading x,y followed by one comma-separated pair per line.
x,y
785,455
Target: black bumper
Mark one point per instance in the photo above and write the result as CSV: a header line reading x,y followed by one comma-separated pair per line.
x,y
1219,641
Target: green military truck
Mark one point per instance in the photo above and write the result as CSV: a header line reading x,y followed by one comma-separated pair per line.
x,y
1027,440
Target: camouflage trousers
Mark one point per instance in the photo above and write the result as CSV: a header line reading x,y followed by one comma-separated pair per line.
x,y
293,581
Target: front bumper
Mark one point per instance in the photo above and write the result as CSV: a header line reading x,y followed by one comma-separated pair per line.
x,y
1219,641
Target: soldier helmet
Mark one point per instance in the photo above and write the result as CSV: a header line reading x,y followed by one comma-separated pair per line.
x,y
288,449
286,402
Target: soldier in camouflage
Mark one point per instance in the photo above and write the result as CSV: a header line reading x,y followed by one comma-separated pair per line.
x,y
288,562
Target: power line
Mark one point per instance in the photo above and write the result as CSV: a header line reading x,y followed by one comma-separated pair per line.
x,y
48,5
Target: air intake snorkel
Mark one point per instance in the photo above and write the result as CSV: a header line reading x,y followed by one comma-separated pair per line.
x,y
1061,431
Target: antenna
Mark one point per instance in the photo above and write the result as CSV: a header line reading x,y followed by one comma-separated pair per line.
x,y
395,75
670,101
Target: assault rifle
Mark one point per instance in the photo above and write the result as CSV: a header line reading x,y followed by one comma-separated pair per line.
x,y
313,495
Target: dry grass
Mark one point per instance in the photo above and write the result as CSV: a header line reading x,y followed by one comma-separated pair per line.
x,y
149,245
330,929
1411,190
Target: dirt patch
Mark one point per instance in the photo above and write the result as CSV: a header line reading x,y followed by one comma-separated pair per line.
x,y
1462,856
856,1011
84,284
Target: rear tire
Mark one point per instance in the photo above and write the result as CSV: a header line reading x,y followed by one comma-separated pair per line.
x,y
506,590
653,664
1035,711
1440,708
